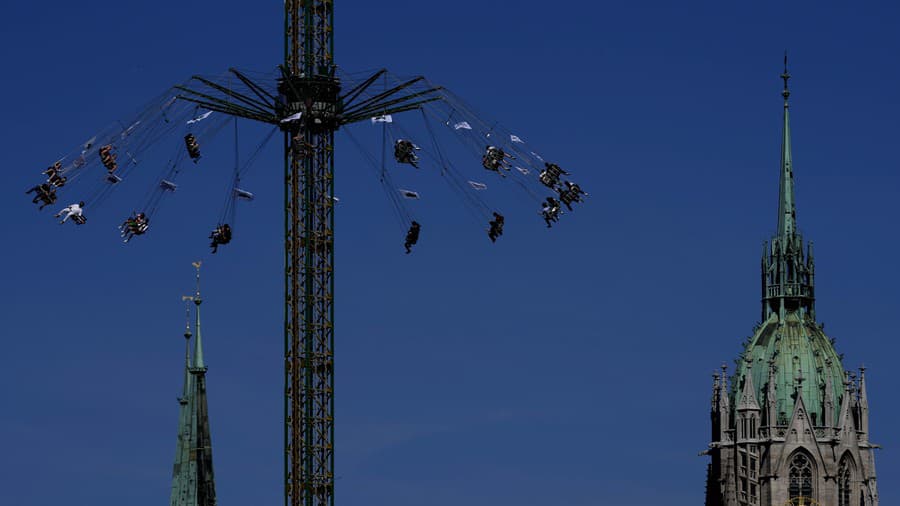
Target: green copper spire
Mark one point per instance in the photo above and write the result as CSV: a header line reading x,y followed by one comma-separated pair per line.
x,y
787,213
184,470
789,354
198,342
787,271
193,481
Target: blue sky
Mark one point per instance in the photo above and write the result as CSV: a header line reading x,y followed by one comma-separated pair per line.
x,y
570,365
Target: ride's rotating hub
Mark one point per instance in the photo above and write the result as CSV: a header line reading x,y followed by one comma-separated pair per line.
x,y
316,99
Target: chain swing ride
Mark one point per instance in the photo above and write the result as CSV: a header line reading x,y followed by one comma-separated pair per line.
x,y
308,99
413,139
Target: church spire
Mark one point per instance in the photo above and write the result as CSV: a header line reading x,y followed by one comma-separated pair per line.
x,y
193,482
198,342
747,400
787,271
184,471
787,212
863,404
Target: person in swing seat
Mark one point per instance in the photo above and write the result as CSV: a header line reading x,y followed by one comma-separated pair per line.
x,y
495,229
412,236
549,177
74,211
193,147
220,235
137,224
550,210
405,152
43,192
108,158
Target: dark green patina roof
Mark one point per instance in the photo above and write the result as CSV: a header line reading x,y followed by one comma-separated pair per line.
x,y
797,354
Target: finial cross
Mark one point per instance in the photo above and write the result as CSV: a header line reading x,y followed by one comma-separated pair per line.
x,y
785,76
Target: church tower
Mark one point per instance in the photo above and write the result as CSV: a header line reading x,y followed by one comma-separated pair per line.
x,y
193,483
790,426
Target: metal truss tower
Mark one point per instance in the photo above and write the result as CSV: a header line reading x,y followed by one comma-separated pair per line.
x,y
309,87
309,108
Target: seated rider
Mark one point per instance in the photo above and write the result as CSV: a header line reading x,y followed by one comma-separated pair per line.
x,y
550,210
570,193
43,192
405,152
496,227
39,190
488,163
74,211
574,188
108,158
57,180
220,235
550,175
52,171
141,224
193,147
412,237
134,225
127,226
495,158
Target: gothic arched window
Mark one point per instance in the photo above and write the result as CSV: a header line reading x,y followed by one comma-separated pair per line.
x,y
845,483
801,476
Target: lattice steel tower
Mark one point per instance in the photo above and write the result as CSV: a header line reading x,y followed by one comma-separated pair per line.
x,y
307,104
309,87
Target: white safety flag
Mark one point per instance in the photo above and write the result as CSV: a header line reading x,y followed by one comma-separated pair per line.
x,y
386,118
243,194
292,117
477,186
537,156
523,170
515,138
130,129
462,125
409,194
199,118
196,264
